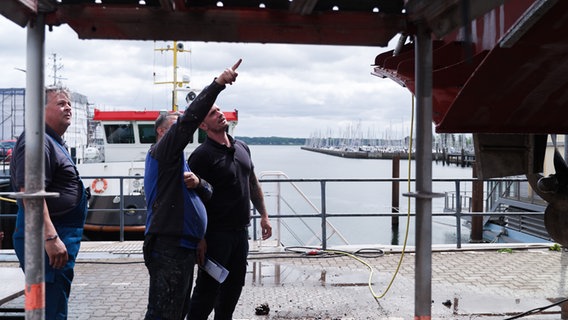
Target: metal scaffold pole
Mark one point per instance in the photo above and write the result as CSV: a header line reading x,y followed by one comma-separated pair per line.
x,y
34,171
423,194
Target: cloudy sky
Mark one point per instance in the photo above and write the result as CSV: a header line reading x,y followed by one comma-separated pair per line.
x,y
282,90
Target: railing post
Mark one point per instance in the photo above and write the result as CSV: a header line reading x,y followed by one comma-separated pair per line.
x,y
121,206
477,206
253,215
323,217
395,207
458,214
395,191
278,211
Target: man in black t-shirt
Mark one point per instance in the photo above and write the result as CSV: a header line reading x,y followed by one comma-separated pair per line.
x,y
227,165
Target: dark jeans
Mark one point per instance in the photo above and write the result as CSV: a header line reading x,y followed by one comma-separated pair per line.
x,y
69,227
171,277
231,250
57,281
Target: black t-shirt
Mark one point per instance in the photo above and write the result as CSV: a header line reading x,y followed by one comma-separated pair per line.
x,y
228,170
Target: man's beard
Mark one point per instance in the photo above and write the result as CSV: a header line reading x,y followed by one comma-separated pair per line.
x,y
220,128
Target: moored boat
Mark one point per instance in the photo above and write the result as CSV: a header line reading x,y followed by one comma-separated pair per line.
x,y
114,170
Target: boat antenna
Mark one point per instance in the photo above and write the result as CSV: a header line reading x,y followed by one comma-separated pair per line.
x,y
177,47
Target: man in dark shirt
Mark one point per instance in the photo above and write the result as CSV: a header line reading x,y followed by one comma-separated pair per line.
x,y
64,217
226,164
176,217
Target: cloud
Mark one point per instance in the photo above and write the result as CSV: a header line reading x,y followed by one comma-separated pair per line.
x,y
282,90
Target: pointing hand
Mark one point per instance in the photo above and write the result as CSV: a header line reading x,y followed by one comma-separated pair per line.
x,y
229,75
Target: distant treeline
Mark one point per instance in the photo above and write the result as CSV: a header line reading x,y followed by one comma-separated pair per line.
x,y
272,140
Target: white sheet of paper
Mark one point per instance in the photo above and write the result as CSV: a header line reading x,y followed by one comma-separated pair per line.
x,y
215,270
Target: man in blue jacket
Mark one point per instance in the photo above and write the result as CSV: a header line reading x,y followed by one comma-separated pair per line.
x,y
176,217
64,216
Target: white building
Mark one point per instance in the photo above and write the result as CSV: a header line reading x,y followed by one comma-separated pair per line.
x,y
12,115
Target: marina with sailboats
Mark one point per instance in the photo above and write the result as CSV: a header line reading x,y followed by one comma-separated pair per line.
x,y
449,148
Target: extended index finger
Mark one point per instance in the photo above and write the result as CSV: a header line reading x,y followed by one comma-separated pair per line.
x,y
237,64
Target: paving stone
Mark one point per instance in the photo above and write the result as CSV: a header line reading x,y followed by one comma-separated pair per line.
x,y
111,282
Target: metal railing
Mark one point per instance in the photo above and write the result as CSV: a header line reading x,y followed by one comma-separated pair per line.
x,y
320,212
456,204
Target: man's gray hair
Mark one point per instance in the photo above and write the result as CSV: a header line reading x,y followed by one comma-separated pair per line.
x,y
56,89
162,119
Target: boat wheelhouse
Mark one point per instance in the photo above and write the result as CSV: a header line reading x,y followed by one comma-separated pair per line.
x,y
114,169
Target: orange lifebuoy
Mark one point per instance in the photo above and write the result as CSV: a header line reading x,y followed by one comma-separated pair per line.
x,y
96,186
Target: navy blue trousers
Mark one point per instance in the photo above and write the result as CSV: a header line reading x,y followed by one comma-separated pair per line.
x,y
57,281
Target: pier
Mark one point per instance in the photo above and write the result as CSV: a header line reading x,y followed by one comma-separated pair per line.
x,y
360,153
462,159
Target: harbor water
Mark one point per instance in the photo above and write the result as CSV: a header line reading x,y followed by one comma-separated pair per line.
x,y
352,197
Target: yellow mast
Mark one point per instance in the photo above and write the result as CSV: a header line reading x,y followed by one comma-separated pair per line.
x,y
176,84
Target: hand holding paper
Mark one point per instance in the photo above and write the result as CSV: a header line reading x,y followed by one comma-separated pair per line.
x,y
215,270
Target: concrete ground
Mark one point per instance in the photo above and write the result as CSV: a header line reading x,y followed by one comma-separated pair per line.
x,y
111,282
